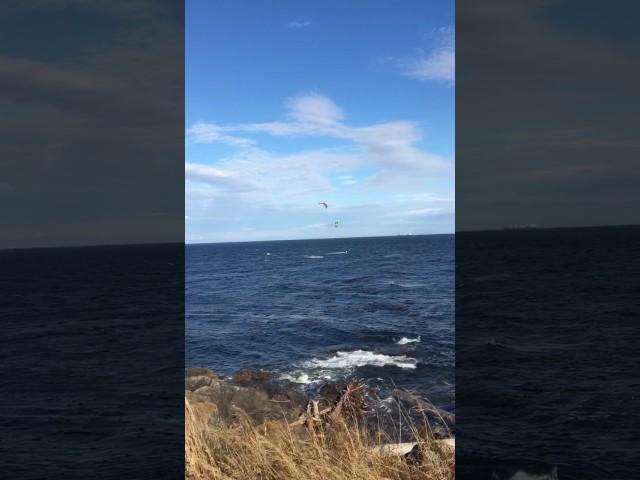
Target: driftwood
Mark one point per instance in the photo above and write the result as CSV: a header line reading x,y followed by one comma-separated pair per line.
x,y
308,417
350,401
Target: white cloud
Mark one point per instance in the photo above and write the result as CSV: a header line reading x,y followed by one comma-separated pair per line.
x,y
315,109
257,193
299,24
212,133
390,145
438,63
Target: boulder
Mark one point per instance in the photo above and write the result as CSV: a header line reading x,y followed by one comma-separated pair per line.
x,y
196,382
258,402
251,377
194,378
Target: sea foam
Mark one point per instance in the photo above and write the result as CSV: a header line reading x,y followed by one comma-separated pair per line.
x,y
360,358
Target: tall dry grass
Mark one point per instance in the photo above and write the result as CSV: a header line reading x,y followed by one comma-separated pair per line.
x,y
334,450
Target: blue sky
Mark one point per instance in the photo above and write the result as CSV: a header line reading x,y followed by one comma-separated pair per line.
x,y
291,103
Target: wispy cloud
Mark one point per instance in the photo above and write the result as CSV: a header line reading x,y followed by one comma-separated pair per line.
x,y
299,24
347,180
437,63
211,133
388,145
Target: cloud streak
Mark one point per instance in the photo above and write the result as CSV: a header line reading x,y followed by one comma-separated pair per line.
x,y
299,24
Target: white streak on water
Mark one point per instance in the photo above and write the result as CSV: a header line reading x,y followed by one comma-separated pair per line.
x,y
406,340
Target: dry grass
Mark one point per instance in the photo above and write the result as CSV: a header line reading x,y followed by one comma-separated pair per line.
x,y
335,449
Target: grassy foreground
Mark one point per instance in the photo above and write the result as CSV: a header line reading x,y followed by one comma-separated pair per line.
x,y
335,449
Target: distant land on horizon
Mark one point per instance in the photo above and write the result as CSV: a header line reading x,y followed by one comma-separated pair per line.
x,y
511,228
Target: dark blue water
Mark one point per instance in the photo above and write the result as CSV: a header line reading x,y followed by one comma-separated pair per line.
x,y
380,309
547,343
91,362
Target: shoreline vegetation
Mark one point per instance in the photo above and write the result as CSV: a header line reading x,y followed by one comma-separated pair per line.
x,y
253,426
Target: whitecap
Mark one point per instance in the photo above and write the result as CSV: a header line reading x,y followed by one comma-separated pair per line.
x,y
360,358
406,340
314,256
338,253
300,378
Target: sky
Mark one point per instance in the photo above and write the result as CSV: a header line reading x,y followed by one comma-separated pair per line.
x,y
293,103
547,113
92,149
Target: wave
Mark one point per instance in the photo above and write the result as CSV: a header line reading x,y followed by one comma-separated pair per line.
x,y
360,358
406,340
338,253
314,256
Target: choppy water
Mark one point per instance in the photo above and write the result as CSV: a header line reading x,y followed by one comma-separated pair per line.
x,y
547,352
381,309
91,362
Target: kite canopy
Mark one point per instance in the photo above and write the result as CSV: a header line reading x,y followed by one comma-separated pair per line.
x,y
323,203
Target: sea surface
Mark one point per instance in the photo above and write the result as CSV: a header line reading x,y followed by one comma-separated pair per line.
x,y
378,309
547,349
92,362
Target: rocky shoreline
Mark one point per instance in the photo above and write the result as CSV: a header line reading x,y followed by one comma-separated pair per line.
x,y
264,397
254,425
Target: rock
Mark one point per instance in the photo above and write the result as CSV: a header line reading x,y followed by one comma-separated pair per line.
x,y
196,382
195,378
278,401
248,377
329,393
196,372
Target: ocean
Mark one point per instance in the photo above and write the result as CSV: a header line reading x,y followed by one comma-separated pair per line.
x,y
92,362
377,309
547,352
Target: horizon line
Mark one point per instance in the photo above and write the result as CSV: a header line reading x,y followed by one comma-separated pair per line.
x,y
314,239
142,244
